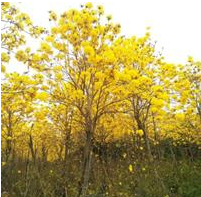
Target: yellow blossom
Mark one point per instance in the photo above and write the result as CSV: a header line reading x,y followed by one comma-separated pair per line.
x,y
140,132
130,168
4,57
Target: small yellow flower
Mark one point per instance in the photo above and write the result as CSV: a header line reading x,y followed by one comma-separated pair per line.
x,y
52,16
49,39
109,17
3,68
36,57
89,50
141,148
100,9
21,55
130,167
9,138
4,57
89,5
45,47
190,59
140,132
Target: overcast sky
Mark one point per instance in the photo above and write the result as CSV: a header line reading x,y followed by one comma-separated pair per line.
x,y
175,24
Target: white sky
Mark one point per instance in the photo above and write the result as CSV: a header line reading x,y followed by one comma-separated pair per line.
x,y
175,24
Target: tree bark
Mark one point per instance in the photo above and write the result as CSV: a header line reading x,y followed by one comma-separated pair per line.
x,y
86,165
31,146
142,126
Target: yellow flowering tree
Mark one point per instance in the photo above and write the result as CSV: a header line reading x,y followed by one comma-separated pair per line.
x,y
78,59
18,94
14,30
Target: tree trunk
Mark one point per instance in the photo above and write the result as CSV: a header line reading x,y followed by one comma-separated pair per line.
x,y
65,174
149,153
44,151
9,143
86,165
8,150
33,153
